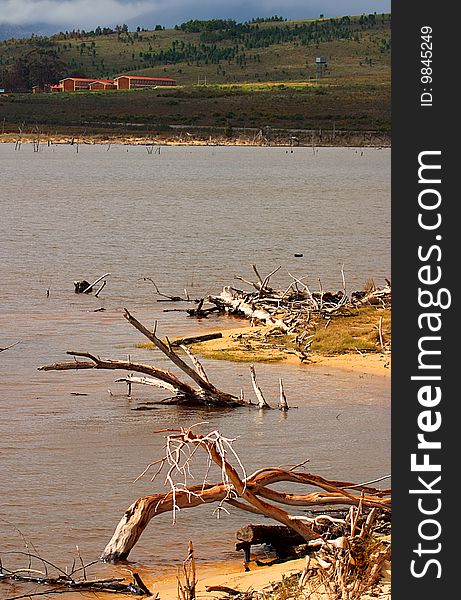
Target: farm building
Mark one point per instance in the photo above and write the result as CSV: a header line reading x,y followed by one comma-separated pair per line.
x,y
129,82
103,84
75,84
124,82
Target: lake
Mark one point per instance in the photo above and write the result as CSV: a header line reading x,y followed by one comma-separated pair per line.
x,y
189,217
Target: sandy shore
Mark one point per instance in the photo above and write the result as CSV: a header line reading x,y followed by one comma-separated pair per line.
x,y
178,139
232,576
236,344
259,578
133,140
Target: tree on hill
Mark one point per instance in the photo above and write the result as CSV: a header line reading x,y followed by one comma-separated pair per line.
x,y
37,67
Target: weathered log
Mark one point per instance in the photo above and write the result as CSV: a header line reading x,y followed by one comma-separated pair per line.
x,y
138,515
202,312
268,534
235,304
196,339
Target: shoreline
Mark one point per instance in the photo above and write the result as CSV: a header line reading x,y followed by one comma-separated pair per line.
x,y
44,139
228,347
260,578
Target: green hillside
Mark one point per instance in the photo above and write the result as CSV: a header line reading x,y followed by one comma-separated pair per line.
x,y
223,51
250,70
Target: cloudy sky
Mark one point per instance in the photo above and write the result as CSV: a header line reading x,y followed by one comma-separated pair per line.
x,y
90,13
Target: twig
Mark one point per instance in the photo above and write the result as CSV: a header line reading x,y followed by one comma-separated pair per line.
x,y
10,346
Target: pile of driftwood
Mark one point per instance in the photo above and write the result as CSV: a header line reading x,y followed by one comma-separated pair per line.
x,y
251,493
55,580
292,308
288,309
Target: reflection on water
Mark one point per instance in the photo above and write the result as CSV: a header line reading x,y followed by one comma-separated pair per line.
x,y
190,217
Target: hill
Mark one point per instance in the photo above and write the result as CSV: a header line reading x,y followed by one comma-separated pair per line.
x,y
354,90
223,51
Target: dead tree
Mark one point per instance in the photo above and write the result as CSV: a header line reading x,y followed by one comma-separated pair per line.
x,y
202,393
249,493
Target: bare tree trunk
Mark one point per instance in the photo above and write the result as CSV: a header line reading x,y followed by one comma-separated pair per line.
x,y
205,394
248,493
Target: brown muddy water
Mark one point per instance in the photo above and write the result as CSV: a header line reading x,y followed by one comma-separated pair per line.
x,y
189,217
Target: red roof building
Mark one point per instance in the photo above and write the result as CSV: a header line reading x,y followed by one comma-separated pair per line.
x,y
76,84
124,82
103,84
130,82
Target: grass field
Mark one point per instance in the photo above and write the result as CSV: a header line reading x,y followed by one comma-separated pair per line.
x,y
358,107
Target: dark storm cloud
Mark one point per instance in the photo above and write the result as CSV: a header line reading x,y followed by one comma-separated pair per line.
x,y
90,13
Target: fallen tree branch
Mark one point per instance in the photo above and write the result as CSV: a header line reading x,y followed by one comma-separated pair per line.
x,y
68,582
196,339
247,493
205,394
91,286
167,296
204,385
10,346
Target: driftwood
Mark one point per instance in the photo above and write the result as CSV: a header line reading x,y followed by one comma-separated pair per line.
x,y
196,339
231,300
83,287
204,393
262,402
167,297
249,493
187,577
184,392
10,346
75,580
289,310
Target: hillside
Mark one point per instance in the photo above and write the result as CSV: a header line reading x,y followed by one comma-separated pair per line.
x,y
354,91
223,51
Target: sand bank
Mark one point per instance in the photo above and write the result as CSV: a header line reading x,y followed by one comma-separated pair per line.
x,y
241,344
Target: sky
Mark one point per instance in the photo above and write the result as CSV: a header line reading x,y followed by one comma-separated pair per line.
x,y
88,14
